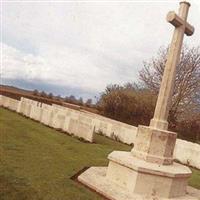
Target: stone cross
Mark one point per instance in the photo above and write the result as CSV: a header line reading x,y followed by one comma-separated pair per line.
x,y
163,104
148,171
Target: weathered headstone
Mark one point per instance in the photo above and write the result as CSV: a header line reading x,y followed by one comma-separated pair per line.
x,y
13,104
8,102
148,171
1,100
78,124
187,153
46,114
58,119
36,111
5,101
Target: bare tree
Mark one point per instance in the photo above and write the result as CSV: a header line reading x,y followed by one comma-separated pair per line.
x,y
88,102
43,94
50,95
80,101
36,92
186,97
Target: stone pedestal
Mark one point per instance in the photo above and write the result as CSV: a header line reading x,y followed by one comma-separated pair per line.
x,y
154,145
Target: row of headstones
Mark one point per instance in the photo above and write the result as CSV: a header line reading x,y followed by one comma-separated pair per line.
x,y
110,128
84,124
113,129
67,120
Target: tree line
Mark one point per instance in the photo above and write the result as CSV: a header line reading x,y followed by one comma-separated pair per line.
x,y
68,99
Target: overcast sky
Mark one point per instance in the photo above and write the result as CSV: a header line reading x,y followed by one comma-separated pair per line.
x,y
80,47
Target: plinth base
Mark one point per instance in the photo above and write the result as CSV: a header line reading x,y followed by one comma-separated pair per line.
x,y
129,178
95,178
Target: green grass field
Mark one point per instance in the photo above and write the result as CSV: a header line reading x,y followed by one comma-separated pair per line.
x,y
37,162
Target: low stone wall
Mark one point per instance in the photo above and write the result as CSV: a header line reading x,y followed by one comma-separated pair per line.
x,y
187,153
9,103
83,124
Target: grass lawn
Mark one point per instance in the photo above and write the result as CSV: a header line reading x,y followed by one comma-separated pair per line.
x,y
36,162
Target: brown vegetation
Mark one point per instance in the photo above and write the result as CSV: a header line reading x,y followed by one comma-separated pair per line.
x,y
128,103
17,93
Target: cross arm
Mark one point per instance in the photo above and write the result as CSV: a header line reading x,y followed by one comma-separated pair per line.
x,y
175,20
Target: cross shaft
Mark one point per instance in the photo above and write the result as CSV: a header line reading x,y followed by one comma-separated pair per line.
x,y
163,104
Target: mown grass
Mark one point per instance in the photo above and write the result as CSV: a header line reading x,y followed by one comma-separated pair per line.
x,y
36,162
194,181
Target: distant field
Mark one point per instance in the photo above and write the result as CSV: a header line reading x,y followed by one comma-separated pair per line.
x,y
17,93
37,162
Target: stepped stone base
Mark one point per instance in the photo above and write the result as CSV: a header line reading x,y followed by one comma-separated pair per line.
x,y
129,178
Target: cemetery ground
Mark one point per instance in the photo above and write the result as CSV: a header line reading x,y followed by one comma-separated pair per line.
x,y
38,162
